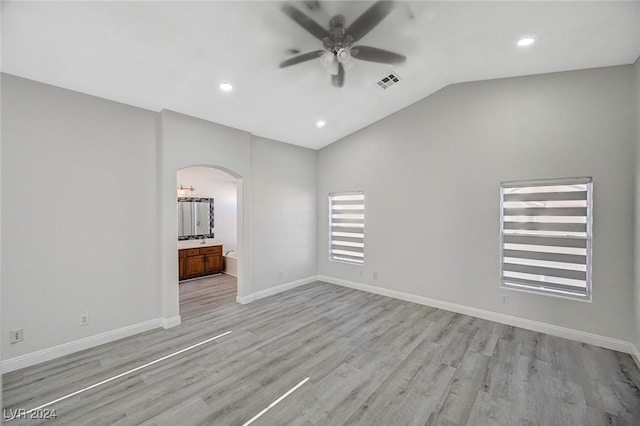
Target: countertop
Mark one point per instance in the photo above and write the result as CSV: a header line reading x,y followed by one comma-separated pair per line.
x,y
187,244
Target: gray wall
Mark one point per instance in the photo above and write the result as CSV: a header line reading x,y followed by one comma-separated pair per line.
x,y
636,69
1,342
78,215
276,221
184,142
283,227
431,174
89,212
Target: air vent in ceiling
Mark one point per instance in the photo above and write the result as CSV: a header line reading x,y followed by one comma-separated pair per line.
x,y
388,80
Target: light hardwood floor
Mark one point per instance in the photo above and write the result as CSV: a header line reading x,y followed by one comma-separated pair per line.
x,y
371,360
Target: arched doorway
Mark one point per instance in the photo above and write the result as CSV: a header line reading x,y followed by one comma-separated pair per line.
x,y
168,230
208,237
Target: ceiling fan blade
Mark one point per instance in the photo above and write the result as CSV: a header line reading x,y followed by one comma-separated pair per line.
x,y
305,22
373,54
338,79
369,19
301,58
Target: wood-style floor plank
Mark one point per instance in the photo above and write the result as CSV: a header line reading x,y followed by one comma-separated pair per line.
x,y
371,360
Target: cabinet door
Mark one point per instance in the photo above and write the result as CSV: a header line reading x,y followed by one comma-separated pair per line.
x,y
181,268
194,266
213,263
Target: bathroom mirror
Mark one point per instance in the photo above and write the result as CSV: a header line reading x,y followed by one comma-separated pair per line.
x,y
195,218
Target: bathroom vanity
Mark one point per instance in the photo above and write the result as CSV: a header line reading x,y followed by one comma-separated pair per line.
x,y
199,260
196,257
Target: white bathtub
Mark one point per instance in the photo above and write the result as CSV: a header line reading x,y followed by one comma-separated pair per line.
x,y
231,263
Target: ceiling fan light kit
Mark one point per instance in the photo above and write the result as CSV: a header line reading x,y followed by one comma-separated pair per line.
x,y
338,40
343,55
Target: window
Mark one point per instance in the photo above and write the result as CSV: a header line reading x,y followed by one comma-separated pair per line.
x,y
545,231
346,227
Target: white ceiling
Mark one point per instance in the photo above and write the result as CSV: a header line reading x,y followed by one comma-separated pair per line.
x,y
173,55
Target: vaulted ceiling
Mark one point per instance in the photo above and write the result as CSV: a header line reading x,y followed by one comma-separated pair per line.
x,y
174,55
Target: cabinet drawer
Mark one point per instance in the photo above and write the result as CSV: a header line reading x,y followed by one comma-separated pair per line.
x,y
211,250
182,254
193,252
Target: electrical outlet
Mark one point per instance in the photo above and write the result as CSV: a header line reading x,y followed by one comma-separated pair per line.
x,y
504,299
279,274
361,273
16,335
375,275
84,319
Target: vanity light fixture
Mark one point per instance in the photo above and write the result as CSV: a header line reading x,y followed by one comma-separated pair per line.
x,y
182,190
526,41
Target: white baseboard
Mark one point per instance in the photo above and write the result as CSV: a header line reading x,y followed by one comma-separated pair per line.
x,y
541,327
275,290
48,354
636,355
170,322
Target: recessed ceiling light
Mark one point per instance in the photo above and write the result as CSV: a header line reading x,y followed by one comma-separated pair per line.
x,y
320,123
526,41
226,87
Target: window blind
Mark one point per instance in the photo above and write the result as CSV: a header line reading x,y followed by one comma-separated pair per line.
x,y
346,227
546,236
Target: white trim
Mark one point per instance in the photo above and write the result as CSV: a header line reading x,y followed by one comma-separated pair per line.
x,y
541,327
275,290
635,354
48,354
170,322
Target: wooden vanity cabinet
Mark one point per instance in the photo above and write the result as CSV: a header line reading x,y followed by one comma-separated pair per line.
x,y
212,259
182,261
199,262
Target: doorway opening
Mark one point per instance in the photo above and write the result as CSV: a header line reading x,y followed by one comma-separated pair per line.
x,y
207,206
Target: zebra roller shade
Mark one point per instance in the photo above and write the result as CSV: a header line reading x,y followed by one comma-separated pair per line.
x,y
346,224
546,236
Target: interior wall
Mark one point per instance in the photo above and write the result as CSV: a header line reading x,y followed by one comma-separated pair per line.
x,y
276,220
636,69
1,342
431,174
185,142
78,215
89,217
221,186
283,223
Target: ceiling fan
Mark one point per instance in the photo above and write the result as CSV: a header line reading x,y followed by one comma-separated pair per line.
x,y
338,41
